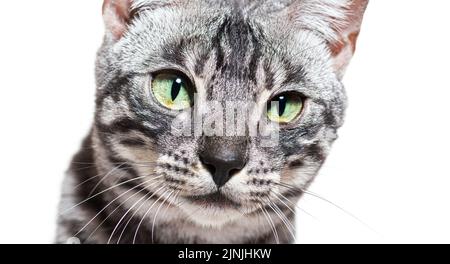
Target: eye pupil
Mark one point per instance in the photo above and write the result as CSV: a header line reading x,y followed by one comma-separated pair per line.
x,y
176,87
285,107
172,90
282,100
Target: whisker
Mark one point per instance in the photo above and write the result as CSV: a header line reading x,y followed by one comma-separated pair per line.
x,y
88,180
283,218
278,195
122,203
281,201
111,202
156,215
142,219
329,202
93,164
134,213
173,202
341,208
95,195
104,177
85,181
272,225
128,164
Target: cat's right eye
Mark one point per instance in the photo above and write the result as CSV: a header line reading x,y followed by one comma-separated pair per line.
x,y
172,90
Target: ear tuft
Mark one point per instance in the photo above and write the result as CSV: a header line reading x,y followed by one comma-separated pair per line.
x,y
116,14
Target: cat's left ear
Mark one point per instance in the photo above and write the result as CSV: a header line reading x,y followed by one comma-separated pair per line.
x,y
116,14
344,45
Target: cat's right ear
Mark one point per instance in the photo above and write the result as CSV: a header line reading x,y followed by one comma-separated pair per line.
x,y
116,14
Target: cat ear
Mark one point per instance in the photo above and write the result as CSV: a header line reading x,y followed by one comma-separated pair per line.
x,y
116,14
337,21
343,47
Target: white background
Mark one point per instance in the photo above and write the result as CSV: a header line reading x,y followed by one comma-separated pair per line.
x,y
389,168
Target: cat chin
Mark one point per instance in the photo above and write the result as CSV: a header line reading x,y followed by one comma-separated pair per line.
x,y
211,217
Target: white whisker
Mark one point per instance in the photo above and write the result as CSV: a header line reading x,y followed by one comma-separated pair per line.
x,y
283,218
104,177
122,203
156,215
106,206
143,218
272,225
134,213
110,188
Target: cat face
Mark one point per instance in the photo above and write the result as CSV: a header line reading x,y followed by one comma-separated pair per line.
x,y
230,108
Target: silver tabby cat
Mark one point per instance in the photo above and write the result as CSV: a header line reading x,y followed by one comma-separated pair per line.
x,y
167,161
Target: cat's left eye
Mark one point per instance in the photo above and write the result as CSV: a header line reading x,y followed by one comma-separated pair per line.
x,y
285,107
172,91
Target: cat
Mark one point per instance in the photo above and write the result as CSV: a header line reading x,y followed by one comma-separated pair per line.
x,y
160,166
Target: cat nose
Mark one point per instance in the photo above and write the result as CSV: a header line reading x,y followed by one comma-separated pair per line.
x,y
223,161
222,168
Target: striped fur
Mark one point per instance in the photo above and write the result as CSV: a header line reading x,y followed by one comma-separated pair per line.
x,y
134,181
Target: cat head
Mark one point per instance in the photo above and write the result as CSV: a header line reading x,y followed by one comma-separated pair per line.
x,y
229,105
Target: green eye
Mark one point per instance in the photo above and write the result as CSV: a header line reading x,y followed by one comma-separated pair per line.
x,y
172,91
284,108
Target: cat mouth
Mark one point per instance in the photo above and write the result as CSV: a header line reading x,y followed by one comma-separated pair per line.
x,y
216,199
